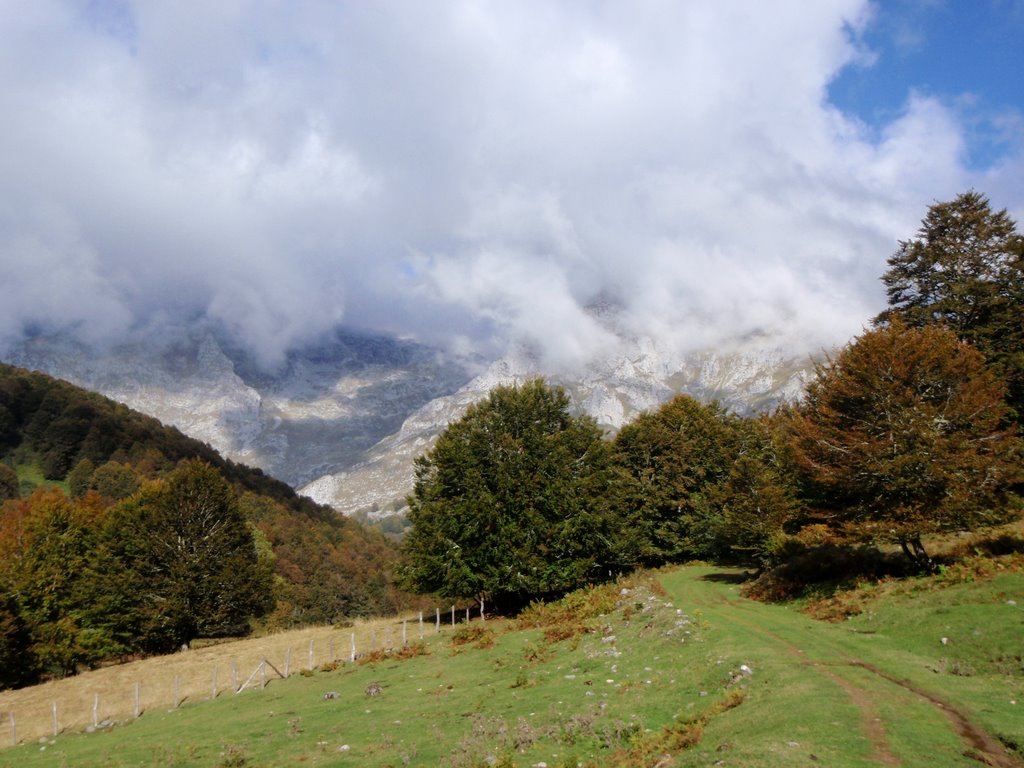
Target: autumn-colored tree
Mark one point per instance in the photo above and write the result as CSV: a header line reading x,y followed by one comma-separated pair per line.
x,y
53,577
965,270
508,505
901,434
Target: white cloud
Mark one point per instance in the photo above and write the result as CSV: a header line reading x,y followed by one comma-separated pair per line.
x,y
273,166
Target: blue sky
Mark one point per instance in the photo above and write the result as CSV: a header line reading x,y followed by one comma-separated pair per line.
x,y
967,53
475,174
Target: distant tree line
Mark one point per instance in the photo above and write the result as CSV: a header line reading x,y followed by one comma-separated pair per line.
x,y
911,429
120,536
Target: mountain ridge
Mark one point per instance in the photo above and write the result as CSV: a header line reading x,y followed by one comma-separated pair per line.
x,y
342,420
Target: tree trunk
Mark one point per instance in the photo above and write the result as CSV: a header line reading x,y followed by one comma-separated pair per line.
x,y
917,554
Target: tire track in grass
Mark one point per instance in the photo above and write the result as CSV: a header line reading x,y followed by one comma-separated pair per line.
x,y
980,745
871,722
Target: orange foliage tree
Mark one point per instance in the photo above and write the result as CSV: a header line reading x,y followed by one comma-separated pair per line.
x,y
901,435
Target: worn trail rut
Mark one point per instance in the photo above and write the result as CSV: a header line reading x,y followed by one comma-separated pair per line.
x,y
820,652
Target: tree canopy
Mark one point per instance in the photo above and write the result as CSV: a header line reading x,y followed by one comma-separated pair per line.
x,y
695,481
508,505
902,434
668,460
184,548
965,270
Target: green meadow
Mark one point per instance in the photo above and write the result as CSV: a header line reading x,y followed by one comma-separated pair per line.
x,y
674,668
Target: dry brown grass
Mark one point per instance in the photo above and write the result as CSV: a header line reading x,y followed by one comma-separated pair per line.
x,y
194,670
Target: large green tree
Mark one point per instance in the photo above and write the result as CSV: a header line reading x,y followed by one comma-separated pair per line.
x,y
186,560
902,434
508,505
757,497
965,270
668,461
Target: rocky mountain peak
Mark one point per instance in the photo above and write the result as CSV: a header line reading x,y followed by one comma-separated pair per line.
x,y
343,419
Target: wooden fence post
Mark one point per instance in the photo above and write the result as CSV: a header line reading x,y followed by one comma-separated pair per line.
x,y
387,639
453,615
482,609
55,729
95,710
234,676
287,662
330,650
437,620
263,674
214,691
136,701
311,655
353,647
405,633
14,730
177,698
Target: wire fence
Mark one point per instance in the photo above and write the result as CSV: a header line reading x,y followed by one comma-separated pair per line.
x,y
99,699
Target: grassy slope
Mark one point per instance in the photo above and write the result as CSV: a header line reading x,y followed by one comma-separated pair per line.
x,y
655,683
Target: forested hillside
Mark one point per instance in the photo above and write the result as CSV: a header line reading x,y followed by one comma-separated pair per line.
x,y
114,530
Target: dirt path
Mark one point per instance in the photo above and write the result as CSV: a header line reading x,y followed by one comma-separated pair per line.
x,y
981,746
828,659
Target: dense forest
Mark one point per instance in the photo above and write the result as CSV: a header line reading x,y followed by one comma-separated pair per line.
x,y
121,536
909,431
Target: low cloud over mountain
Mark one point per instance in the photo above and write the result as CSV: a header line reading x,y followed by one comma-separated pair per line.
x,y
474,175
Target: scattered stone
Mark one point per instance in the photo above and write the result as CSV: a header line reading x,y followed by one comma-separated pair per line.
x,y
944,641
344,748
1011,602
792,743
373,689
331,695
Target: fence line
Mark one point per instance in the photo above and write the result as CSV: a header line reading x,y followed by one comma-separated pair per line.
x,y
92,708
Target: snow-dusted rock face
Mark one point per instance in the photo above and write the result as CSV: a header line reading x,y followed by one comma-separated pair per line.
x,y
318,413
640,377
343,420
